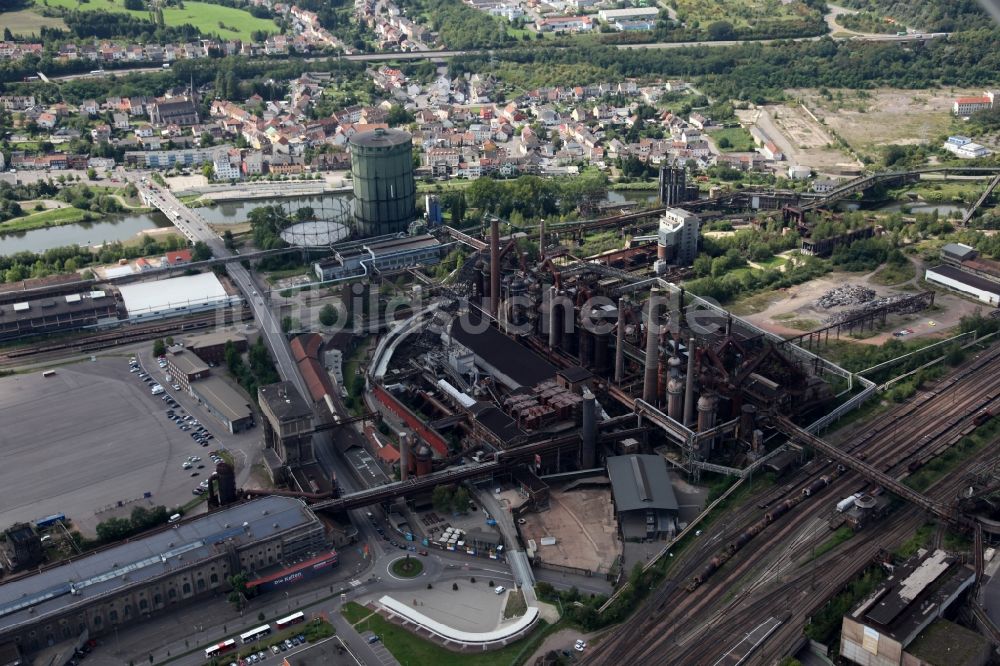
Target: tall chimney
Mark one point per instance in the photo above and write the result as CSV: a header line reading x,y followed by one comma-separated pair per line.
x,y
494,266
689,391
404,457
652,348
588,459
553,319
620,344
541,239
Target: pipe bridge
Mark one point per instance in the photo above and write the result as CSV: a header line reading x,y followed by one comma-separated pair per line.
x,y
874,475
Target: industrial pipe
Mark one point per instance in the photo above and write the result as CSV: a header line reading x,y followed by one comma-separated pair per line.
x,y
689,391
494,266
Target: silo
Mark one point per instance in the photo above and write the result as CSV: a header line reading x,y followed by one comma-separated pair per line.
x,y
226,480
384,190
425,460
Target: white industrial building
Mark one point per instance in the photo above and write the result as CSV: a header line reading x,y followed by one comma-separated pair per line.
x,y
629,14
175,296
385,253
985,290
677,238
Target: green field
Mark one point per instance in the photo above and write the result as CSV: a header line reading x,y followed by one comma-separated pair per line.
x,y
739,138
47,218
205,17
27,22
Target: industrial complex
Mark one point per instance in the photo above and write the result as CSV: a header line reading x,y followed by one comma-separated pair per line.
x,y
587,431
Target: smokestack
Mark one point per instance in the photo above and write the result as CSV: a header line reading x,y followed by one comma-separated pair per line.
x,y
689,391
541,240
620,344
404,457
588,458
652,338
553,319
494,266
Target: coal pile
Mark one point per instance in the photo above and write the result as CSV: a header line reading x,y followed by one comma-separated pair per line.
x,y
848,294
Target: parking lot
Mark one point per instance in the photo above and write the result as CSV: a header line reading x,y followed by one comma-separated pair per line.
x,y
107,443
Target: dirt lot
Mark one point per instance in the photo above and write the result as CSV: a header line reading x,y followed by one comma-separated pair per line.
x,y
583,523
802,139
869,119
793,311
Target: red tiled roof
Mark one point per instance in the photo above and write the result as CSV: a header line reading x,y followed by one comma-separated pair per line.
x,y
973,100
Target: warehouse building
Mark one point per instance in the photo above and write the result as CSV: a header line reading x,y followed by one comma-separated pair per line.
x,y
184,367
52,313
211,347
176,296
956,253
128,583
976,286
882,629
644,497
224,403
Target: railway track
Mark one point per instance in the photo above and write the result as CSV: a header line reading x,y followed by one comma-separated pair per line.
x,y
121,336
911,433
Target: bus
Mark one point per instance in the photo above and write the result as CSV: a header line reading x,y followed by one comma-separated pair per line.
x,y
221,648
255,634
294,618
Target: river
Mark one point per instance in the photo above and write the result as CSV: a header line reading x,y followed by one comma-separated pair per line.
x,y
122,227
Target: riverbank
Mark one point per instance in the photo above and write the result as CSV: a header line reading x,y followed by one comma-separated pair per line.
x,y
47,218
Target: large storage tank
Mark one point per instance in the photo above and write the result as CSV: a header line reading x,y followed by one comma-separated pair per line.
x,y
384,190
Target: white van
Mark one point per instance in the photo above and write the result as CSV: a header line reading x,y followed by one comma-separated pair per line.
x,y
174,518
500,589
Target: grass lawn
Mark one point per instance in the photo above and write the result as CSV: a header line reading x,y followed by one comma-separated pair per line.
x,y
739,138
774,262
891,274
354,612
410,649
516,605
27,22
407,567
205,17
46,218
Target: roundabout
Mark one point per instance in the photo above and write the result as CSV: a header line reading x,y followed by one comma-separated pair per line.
x,y
406,567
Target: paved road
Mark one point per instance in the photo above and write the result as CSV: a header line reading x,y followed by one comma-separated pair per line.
x,y
195,228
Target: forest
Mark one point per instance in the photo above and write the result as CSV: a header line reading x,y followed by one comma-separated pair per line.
x,y
760,72
927,15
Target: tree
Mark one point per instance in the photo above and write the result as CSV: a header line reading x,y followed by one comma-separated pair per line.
x,y
460,500
201,252
159,347
328,315
92,173
724,143
113,529
227,239
441,498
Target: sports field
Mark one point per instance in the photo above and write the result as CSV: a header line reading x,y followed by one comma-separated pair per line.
x,y
226,22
